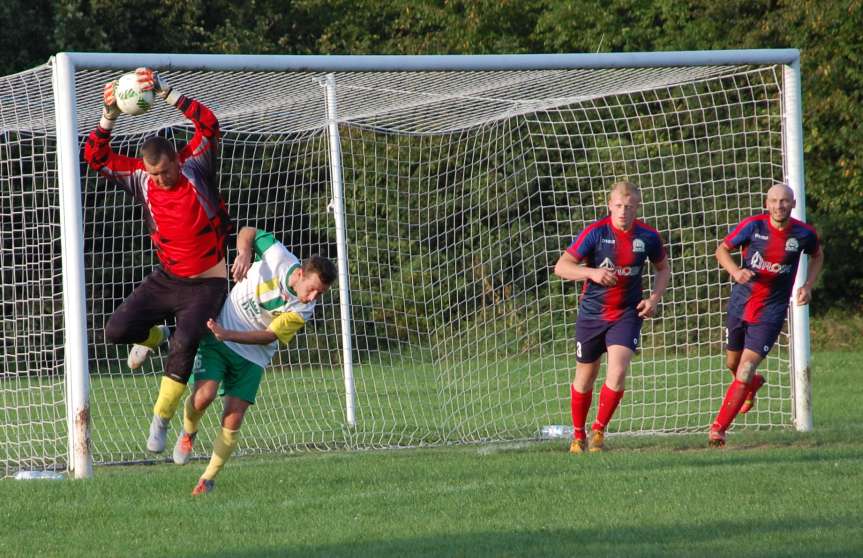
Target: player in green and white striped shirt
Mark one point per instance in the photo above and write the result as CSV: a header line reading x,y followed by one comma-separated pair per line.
x,y
271,302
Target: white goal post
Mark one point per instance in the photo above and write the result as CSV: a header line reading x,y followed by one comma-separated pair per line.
x,y
445,187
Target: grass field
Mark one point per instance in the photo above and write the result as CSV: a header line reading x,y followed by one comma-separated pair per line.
x,y
400,403
776,493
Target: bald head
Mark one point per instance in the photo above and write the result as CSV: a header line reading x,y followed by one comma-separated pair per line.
x,y
780,202
780,189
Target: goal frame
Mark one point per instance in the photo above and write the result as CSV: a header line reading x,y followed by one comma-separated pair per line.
x,y
80,461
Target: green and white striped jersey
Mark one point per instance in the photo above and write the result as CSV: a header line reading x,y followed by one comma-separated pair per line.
x,y
263,300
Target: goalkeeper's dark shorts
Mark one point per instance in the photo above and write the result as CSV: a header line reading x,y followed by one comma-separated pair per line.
x,y
160,297
593,337
758,338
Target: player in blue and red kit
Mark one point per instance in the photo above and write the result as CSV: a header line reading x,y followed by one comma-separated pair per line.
x,y
610,256
188,226
772,245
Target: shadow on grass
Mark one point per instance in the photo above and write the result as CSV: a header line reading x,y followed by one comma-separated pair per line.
x,y
801,537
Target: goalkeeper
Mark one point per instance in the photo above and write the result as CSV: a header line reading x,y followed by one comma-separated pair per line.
x,y
270,304
188,226
610,256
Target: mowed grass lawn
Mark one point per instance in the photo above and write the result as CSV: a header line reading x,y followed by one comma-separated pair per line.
x,y
767,494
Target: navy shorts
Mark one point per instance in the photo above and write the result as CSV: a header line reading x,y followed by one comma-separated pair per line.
x,y
593,337
758,338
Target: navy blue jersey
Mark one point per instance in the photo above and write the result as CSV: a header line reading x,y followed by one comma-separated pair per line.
x,y
604,246
773,255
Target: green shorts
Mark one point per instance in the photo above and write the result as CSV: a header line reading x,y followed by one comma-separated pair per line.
x,y
238,377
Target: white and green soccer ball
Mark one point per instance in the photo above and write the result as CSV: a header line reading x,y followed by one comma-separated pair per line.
x,y
129,97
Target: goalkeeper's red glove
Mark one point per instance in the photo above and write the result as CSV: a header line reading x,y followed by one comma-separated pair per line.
x,y
149,80
110,110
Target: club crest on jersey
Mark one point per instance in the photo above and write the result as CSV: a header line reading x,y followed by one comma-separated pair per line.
x,y
638,245
250,308
624,271
759,263
791,245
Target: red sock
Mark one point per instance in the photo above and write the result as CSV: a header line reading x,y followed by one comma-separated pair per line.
x,y
734,398
580,407
608,401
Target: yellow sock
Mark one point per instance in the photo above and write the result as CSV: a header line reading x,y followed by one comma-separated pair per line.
x,y
191,417
154,338
224,446
170,393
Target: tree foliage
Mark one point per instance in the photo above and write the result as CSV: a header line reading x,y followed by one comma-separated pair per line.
x,y
829,35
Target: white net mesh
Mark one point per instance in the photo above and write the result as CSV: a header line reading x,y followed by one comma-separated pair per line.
x,y
32,397
462,189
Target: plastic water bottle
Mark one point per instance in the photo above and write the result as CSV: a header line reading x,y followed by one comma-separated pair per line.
x,y
38,475
555,432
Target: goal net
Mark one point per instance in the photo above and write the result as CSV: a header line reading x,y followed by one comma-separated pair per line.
x,y
461,190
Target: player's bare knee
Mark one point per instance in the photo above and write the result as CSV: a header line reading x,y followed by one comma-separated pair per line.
x,y
583,384
617,385
203,399
615,379
233,422
233,419
746,372
732,362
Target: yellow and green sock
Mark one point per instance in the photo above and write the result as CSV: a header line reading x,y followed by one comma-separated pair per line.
x,y
191,416
224,446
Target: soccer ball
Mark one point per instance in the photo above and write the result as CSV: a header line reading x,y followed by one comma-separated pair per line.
x,y
129,97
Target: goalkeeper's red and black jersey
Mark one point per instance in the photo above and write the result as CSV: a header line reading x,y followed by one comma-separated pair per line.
x,y
189,223
773,254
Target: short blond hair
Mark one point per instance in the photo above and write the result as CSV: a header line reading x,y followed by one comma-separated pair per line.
x,y
626,188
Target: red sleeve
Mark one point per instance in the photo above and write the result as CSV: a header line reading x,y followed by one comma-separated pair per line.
x,y
203,147
120,170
